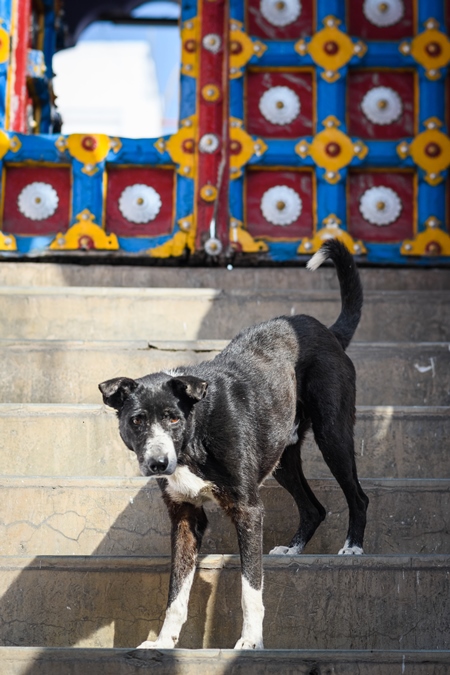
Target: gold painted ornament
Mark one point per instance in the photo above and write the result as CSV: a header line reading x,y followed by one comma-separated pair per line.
x,y
433,241
89,149
174,247
431,49
181,146
241,239
430,150
85,235
331,231
190,36
7,242
242,48
331,48
331,149
242,147
4,45
8,143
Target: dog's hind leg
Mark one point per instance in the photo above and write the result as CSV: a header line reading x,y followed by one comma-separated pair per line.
x,y
335,440
248,519
289,474
188,526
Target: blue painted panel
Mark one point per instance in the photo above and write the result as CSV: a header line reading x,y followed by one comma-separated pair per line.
x,y
87,191
431,201
185,197
236,196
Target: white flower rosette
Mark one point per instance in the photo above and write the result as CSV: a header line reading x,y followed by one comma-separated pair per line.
x,y
385,13
382,105
139,203
279,105
280,13
208,143
38,201
281,205
380,205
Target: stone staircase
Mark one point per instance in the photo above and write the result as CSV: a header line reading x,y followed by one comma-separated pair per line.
x,y
84,563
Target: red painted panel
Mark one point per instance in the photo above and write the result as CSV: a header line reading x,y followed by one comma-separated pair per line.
x,y
258,82
212,168
359,26
402,184
258,26
257,182
19,100
362,81
161,180
18,177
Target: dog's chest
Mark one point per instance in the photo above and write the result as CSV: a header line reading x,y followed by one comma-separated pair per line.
x,y
185,486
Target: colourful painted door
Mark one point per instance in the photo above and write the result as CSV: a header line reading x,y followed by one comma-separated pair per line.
x,y
299,120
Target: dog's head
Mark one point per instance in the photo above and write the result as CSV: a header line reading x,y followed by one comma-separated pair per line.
x,y
153,412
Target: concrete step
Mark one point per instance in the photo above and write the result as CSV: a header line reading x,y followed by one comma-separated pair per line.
x,y
388,373
83,516
78,661
83,440
313,602
189,314
251,278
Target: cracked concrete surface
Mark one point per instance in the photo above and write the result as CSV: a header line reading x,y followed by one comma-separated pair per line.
x,y
116,602
84,516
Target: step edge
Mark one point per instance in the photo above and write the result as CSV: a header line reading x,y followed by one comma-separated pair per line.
x,y
200,345
207,654
29,408
211,293
142,483
68,563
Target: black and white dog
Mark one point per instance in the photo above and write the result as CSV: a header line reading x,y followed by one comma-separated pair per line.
x,y
216,430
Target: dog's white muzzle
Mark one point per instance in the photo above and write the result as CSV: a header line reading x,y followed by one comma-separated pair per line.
x,y
160,458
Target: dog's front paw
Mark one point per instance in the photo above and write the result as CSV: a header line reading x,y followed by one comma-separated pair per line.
x,y
284,550
246,643
156,644
351,550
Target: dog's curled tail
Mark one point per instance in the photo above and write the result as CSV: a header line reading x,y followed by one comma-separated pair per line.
x,y
350,284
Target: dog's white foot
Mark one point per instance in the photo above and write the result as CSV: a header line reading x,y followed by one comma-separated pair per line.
x,y
245,643
351,550
285,550
156,644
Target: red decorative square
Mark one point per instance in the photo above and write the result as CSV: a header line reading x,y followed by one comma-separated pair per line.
x,y
360,82
300,82
402,183
161,180
17,178
260,26
258,182
360,25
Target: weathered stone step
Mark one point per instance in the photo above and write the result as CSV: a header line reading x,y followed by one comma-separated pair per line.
x,y
251,278
313,602
96,661
83,440
405,373
151,314
83,516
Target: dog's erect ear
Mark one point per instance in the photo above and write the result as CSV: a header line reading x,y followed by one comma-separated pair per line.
x,y
189,386
116,391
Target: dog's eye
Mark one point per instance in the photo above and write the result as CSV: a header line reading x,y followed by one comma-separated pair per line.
x,y
171,417
137,421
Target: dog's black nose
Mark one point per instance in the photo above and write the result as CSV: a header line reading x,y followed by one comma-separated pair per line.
x,y
159,464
